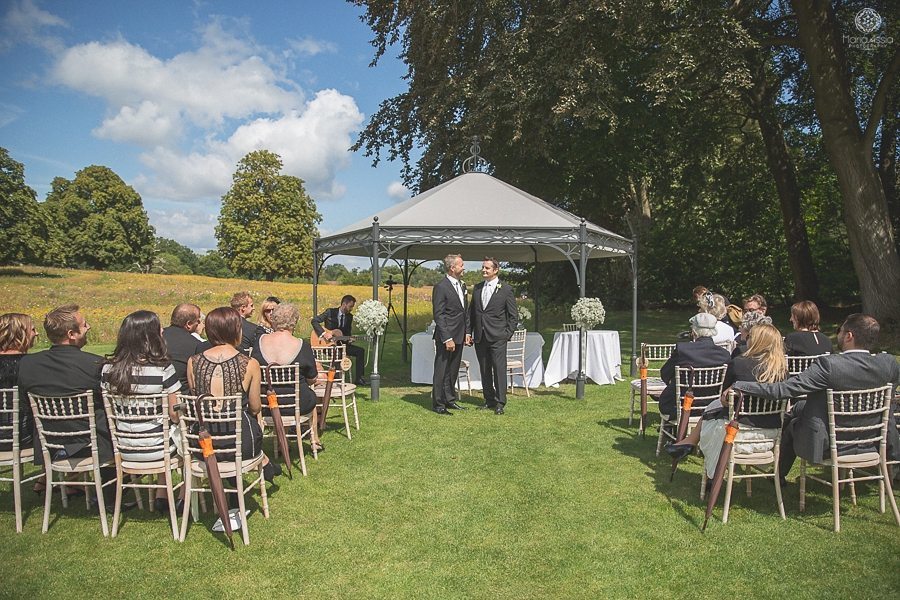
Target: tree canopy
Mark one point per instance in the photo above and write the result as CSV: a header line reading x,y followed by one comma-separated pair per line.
x,y
26,231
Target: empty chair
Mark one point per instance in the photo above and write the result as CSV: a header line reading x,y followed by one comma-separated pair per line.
x,y
515,360
139,427
223,417
857,422
570,327
656,355
59,419
707,385
342,392
286,381
464,366
17,455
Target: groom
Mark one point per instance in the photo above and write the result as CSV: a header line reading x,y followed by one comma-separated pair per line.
x,y
451,331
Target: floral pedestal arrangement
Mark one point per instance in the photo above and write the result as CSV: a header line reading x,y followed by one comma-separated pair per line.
x,y
372,317
586,313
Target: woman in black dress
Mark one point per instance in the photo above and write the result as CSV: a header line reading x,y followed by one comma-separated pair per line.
x,y
282,348
17,335
806,340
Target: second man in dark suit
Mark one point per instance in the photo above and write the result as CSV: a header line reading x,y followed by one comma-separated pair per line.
x,y
451,332
492,316
180,340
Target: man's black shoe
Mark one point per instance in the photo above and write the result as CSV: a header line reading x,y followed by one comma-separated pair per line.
x,y
455,406
442,411
161,505
498,410
487,407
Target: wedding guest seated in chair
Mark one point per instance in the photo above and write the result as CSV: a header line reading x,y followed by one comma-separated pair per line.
x,y
17,335
806,339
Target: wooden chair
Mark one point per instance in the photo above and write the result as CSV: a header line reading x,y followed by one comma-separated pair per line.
x,y
856,418
755,406
707,386
223,416
569,327
139,424
288,377
798,364
464,367
58,419
515,360
342,390
657,355
16,456
728,345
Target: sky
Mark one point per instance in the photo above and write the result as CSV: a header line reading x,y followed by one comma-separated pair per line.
x,y
172,94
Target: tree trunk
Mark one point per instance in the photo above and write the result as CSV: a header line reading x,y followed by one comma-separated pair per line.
x,y
872,248
781,166
887,163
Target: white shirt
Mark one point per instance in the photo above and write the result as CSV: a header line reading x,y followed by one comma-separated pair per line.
x,y
458,287
488,290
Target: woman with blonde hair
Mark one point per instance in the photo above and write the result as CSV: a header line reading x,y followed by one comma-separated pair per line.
x,y
17,335
265,314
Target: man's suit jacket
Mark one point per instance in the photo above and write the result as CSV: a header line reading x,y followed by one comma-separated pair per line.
x,y
249,333
181,346
847,371
702,352
65,371
329,319
451,318
497,321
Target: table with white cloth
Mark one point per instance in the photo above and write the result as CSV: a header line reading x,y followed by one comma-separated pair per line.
x,y
603,360
422,367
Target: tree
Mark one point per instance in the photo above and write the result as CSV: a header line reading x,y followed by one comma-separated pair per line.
x,y
103,220
212,264
187,258
267,223
25,229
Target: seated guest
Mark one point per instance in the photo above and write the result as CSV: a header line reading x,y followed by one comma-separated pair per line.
x,y
17,335
805,431
763,361
755,302
200,328
179,337
340,319
806,340
140,365
242,302
223,370
265,314
717,306
282,348
66,370
700,352
749,320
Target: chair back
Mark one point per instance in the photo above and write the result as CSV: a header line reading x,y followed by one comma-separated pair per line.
x,y
656,355
139,425
285,378
223,418
798,364
569,327
706,382
62,418
757,406
10,418
515,348
858,421
324,356
728,345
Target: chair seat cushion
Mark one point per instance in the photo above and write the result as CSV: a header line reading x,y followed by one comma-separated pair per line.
x,y
151,466
75,465
514,364
654,384
25,455
866,459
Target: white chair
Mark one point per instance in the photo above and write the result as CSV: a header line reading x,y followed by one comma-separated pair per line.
x,y
16,456
57,420
570,327
515,360
707,385
857,418
288,377
139,424
342,391
657,355
728,345
464,367
223,416
765,451
798,364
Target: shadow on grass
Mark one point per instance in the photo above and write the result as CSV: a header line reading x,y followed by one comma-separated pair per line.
x,y
14,272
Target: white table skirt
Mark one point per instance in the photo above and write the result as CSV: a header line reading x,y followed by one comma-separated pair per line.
x,y
603,362
422,364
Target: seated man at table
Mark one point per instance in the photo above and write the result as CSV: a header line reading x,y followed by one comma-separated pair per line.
x,y
699,352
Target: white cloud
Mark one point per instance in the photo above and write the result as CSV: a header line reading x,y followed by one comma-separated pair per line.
x,y
147,123
192,228
310,46
25,23
398,191
9,113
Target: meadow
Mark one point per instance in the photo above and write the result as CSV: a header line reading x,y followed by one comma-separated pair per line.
x,y
558,498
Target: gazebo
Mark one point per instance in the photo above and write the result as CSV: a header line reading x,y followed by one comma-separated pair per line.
x,y
478,215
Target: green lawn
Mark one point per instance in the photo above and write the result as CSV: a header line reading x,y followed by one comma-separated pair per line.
x,y
557,498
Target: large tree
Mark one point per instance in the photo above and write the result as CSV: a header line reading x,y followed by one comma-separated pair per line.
x,y
102,220
268,222
25,229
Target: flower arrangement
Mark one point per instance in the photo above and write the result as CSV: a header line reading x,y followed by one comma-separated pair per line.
x,y
588,312
524,313
372,317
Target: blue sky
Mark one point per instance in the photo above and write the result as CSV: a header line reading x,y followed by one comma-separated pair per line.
x,y
171,94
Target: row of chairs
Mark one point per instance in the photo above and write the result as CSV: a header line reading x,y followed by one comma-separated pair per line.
x,y
139,425
515,364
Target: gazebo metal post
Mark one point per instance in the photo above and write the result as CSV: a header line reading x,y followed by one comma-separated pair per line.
x,y
375,378
633,257
404,350
315,298
582,333
534,291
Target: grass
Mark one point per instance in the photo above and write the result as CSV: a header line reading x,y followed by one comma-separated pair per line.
x,y
557,498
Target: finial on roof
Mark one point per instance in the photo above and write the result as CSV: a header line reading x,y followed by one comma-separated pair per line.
x,y
475,162
375,218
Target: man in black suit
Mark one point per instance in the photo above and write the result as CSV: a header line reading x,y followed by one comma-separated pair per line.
x,y
243,303
65,370
341,318
451,331
180,340
806,426
700,352
493,316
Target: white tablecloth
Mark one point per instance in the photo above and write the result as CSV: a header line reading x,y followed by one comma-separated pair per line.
x,y
603,362
422,367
